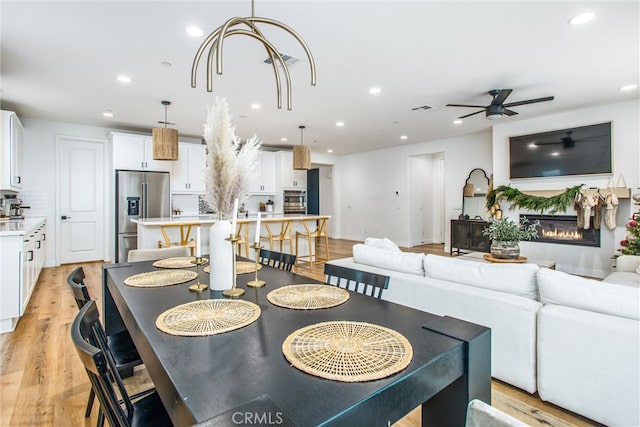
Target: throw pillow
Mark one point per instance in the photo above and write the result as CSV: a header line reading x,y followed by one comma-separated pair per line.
x,y
383,243
404,262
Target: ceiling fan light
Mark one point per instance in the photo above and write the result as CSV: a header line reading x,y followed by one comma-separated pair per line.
x,y
301,157
165,143
494,116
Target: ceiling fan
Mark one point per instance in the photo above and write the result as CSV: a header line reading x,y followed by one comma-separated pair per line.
x,y
498,108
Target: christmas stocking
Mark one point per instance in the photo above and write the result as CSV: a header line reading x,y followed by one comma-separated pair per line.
x,y
577,205
588,202
610,212
597,217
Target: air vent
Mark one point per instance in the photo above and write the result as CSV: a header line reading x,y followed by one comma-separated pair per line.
x,y
422,108
288,59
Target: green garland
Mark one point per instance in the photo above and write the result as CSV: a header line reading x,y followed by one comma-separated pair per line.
x,y
554,204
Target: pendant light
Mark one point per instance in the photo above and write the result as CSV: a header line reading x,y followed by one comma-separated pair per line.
x,y
165,140
301,154
229,28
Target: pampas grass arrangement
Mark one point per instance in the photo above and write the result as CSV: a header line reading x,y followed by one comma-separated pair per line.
x,y
230,164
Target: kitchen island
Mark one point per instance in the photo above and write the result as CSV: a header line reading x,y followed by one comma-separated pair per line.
x,y
177,228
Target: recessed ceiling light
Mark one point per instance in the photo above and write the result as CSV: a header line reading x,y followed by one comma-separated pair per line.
x,y
628,87
555,153
256,106
330,150
457,121
194,31
107,113
403,137
374,90
124,79
582,18
339,124
283,139
165,64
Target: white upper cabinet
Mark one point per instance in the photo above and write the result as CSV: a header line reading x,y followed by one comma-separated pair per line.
x,y
135,152
11,152
188,173
264,181
290,178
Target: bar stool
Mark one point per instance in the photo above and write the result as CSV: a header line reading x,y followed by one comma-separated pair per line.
x,y
185,231
281,236
243,233
319,232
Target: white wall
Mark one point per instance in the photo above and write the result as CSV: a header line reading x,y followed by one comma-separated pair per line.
x,y
626,160
367,185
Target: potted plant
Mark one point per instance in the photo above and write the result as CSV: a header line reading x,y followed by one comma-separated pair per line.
x,y
506,234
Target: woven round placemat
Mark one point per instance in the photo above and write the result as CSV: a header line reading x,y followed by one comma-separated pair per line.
x,y
177,262
348,351
308,296
242,267
155,279
207,317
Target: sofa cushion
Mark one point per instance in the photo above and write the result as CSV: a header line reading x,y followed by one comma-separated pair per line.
x,y
624,278
565,289
404,262
383,243
517,279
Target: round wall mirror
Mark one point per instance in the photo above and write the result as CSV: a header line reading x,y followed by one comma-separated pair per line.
x,y
474,194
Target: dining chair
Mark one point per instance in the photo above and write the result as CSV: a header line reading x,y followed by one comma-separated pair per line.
x,y
312,235
136,255
277,259
124,351
121,409
479,414
362,282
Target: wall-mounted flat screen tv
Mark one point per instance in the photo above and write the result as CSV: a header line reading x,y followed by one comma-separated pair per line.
x,y
582,150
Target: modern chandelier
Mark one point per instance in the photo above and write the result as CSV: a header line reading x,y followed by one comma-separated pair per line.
x,y
215,44
165,140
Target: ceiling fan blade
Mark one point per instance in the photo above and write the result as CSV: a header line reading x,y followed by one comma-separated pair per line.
x,y
472,114
508,112
465,105
500,96
529,101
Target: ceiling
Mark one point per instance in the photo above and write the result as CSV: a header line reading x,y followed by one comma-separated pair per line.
x,y
60,61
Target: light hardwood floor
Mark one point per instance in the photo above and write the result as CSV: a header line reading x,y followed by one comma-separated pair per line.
x,y
43,384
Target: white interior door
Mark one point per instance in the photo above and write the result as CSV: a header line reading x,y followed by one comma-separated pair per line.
x,y
80,199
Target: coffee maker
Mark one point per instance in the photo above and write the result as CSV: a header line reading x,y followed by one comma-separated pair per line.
x,y
11,207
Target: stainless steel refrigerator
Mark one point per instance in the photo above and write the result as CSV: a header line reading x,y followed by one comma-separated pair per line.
x,y
139,194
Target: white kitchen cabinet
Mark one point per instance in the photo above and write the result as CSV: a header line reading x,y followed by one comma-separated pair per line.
x,y
22,256
135,152
188,173
11,152
290,178
264,181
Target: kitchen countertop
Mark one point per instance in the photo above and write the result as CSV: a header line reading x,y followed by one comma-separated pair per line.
x,y
210,219
18,227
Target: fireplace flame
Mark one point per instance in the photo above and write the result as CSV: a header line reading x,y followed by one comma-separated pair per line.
x,y
562,235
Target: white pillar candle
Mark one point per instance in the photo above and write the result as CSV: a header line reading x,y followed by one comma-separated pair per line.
x,y
198,245
257,240
234,216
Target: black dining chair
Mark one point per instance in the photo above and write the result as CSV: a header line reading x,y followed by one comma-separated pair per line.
x,y
120,344
363,282
120,410
277,259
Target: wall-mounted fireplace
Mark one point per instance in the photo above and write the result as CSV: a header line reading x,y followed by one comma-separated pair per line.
x,y
563,229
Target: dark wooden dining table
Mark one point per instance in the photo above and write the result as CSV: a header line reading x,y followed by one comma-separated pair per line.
x,y
242,377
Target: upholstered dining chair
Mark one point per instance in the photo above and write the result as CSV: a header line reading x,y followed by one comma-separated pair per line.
x,y
363,282
121,409
277,259
124,351
136,255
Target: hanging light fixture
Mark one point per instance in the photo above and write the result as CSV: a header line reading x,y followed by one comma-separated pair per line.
x,y
301,154
216,38
165,140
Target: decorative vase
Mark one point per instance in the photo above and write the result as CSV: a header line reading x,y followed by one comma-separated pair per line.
x,y
505,250
221,274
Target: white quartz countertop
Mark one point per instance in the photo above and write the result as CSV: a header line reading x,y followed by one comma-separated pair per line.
x,y
210,219
19,227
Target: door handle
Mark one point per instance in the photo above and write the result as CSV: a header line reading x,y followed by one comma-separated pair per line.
x,y
63,217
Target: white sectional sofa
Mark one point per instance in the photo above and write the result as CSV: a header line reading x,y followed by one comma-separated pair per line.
x,y
574,340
